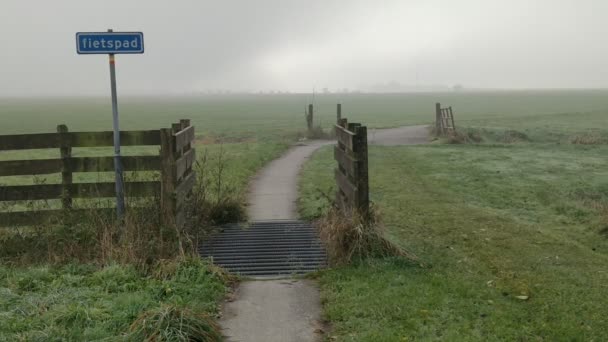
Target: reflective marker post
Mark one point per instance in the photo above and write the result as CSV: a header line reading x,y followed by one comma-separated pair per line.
x,y
112,43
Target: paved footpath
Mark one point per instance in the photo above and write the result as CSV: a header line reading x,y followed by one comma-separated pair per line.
x,y
288,310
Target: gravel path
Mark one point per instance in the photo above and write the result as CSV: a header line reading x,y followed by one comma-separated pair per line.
x,y
288,310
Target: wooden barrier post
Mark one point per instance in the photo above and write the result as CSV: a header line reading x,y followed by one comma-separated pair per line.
x,y
177,177
186,177
362,181
352,176
438,130
167,172
66,173
338,113
309,117
452,118
185,123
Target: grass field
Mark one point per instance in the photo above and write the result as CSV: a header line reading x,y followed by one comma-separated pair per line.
x,y
514,236
493,221
269,116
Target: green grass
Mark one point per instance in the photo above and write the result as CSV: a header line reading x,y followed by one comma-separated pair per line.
x,y
86,303
269,116
491,222
258,128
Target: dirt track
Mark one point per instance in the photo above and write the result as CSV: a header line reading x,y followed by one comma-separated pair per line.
x,y
289,310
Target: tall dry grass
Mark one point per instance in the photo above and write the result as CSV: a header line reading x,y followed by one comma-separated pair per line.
x,y
348,236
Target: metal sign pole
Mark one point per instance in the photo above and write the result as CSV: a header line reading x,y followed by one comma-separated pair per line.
x,y
111,43
120,198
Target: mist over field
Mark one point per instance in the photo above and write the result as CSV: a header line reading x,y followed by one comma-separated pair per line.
x,y
295,46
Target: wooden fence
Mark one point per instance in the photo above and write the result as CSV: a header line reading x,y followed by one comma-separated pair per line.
x,y
352,173
174,163
444,120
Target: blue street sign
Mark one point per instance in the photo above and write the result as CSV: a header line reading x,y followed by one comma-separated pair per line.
x,y
109,42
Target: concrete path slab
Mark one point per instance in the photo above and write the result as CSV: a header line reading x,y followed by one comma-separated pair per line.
x,y
286,310
274,190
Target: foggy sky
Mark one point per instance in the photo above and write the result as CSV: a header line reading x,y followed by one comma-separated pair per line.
x,y
296,46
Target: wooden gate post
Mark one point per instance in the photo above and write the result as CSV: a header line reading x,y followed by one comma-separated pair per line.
x,y
438,130
309,117
185,123
66,172
444,121
363,173
452,118
167,173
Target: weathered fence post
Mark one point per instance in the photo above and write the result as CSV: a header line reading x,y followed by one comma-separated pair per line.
x,y
363,173
452,117
66,172
177,177
352,177
338,113
438,130
184,124
167,172
309,117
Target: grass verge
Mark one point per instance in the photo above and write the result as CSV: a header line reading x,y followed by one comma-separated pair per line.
x,y
511,236
82,302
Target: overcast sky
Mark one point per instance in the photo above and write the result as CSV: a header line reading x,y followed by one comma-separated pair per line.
x,y
297,45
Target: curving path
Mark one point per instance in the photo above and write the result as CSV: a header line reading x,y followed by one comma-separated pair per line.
x,y
288,310
274,190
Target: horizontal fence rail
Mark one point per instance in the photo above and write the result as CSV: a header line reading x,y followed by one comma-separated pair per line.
x,y
76,190
77,164
77,139
174,165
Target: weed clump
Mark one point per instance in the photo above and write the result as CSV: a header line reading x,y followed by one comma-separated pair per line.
x,y
172,323
317,132
349,236
214,199
588,138
512,136
475,136
464,137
